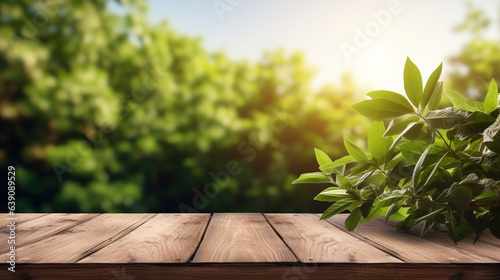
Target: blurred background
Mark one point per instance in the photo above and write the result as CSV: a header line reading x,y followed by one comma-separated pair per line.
x,y
213,105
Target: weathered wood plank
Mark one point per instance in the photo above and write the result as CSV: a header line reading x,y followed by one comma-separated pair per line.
x,y
486,237
344,271
166,238
36,229
487,246
315,241
22,217
241,237
82,240
413,249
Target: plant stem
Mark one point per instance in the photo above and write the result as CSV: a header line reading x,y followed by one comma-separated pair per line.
x,y
417,197
486,205
477,203
381,170
447,145
487,199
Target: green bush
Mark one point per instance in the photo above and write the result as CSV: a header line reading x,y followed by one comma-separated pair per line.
x,y
433,166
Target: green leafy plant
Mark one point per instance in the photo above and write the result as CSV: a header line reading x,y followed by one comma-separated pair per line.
x,y
429,165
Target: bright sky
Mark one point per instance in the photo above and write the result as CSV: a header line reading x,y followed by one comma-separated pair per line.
x,y
321,29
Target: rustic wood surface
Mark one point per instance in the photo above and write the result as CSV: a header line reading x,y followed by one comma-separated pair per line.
x,y
433,248
75,243
37,228
166,238
236,246
241,238
315,241
19,219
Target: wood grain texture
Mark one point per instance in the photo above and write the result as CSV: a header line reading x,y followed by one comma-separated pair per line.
x,y
487,246
315,241
82,240
166,238
43,226
435,248
349,271
22,217
19,220
241,237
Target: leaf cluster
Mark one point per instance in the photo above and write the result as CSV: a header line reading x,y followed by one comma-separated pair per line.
x,y
429,165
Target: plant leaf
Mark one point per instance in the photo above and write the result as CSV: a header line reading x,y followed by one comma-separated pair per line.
x,y
374,213
444,119
335,192
389,198
400,215
363,178
412,151
461,103
352,221
355,151
330,167
435,168
430,86
436,96
380,109
365,208
321,157
491,136
315,177
397,128
406,224
343,182
491,99
378,145
475,123
391,96
332,194
418,169
430,215
460,198
494,226
413,82
408,128
394,208
451,225
335,208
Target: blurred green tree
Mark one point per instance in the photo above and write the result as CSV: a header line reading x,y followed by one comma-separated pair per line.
x,y
106,113
479,60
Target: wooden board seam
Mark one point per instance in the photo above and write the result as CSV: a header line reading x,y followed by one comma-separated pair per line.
x,y
281,237
55,233
241,237
190,260
92,251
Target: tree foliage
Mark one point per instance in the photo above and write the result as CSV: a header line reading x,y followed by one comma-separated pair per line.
x,y
433,166
479,59
103,112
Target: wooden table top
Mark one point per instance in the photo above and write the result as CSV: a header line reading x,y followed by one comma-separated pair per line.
x,y
236,245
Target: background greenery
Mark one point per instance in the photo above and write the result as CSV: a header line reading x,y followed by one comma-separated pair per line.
x,y
107,113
